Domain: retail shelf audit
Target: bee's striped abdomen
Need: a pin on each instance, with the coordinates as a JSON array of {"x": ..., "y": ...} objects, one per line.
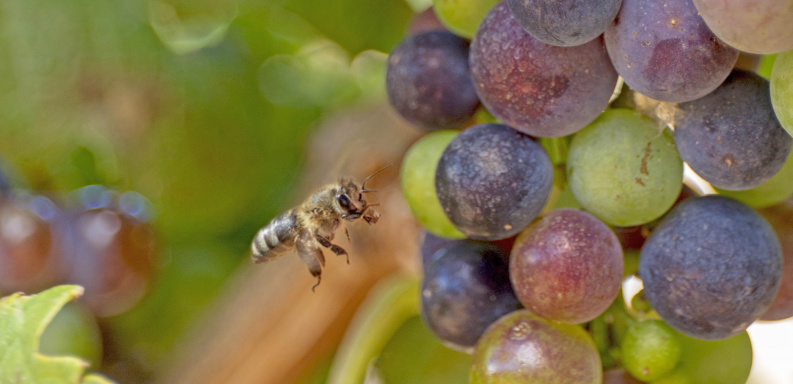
[{"x": 275, "y": 239}]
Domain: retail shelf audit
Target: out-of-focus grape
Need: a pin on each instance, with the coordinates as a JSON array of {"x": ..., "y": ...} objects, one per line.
[
  {"x": 782, "y": 89},
  {"x": 73, "y": 331},
  {"x": 774, "y": 191},
  {"x": 619, "y": 376},
  {"x": 565, "y": 23},
  {"x": 425, "y": 21},
  {"x": 624, "y": 169},
  {"x": 417, "y": 177},
  {"x": 429, "y": 245},
  {"x": 523, "y": 348},
  {"x": 752, "y": 26},
  {"x": 725, "y": 145},
  {"x": 650, "y": 350},
  {"x": 537, "y": 88},
  {"x": 113, "y": 248},
  {"x": 781, "y": 219},
  {"x": 567, "y": 266},
  {"x": 429, "y": 82},
  {"x": 465, "y": 289},
  {"x": 711, "y": 267},
  {"x": 462, "y": 16},
  {"x": 724, "y": 361},
  {"x": 492, "y": 181},
  {"x": 664, "y": 50},
  {"x": 32, "y": 254}
]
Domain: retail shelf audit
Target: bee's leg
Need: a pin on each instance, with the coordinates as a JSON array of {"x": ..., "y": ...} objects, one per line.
[
  {"x": 333, "y": 247},
  {"x": 311, "y": 255},
  {"x": 348, "y": 235},
  {"x": 371, "y": 216}
]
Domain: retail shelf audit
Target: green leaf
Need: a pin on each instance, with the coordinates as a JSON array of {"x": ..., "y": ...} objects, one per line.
[
  {"x": 22, "y": 320},
  {"x": 414, "y": 355}
]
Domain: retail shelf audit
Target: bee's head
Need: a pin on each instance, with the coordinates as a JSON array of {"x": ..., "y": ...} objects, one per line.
[
  {"x": 349, "y": 198},
  {"x": 351, "y": 203}
]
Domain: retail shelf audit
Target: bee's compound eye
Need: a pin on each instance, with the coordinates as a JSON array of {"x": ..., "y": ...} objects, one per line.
[{"x": 344, "y": 201}]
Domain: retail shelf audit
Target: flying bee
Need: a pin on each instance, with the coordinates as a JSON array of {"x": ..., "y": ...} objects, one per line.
[{"x": 312, "y": 225}]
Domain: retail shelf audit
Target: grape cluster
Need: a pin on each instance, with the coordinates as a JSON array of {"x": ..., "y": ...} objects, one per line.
[
  {"x": 579, "y": 177},
  {"x": 94, "y": 237}
]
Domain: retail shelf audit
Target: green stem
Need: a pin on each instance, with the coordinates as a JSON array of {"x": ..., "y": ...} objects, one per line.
[
  {"x": 385, "y": 309},
  {"x": 557, "y": 148}
]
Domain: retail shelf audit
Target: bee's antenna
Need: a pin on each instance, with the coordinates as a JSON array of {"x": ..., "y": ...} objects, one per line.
[{"x": 363, "y": 185}]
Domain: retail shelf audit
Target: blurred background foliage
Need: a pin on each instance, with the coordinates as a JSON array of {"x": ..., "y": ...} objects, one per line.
[{"x": 202, "y": 106}]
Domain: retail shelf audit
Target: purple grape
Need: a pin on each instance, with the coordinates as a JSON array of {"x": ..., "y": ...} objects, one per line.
[
  {"x": 567, "y": 266},
  {"x": 492, "y": 181},
  {"x": 664, "y": 50},
  {"x": 429, "y": 82},
  {"x": 523, "y": 348},
  {"x": 466, "y": 288},
  {"x": 565, "y": 23},
  {"x": 731, "y": 137},
  {"x": 538, "y": 88},
  {"x": 711, "y": 267}
]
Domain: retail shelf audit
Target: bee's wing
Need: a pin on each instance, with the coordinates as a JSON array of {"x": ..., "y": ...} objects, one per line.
[{"x": 311, "y": 254}]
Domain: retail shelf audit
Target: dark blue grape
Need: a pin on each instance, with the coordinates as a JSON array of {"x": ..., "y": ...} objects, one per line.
[
  {"x": 430, "y": 244},
  {"x": 565, "y": 23},
  {"x": 711, "y": 267},
  {"x": 731, "y": 137},
  {"x": 429, "y": 82},
  {"x": 466, "y": 288},
  {"x": 492, "y": 181}
]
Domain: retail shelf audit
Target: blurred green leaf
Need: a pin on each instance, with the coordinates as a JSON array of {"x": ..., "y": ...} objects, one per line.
[
  {"x": 23, "y": 319},
  {"x": 415, "y": 356}
]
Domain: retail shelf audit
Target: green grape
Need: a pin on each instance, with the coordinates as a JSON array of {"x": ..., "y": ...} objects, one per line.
[
  {"x": 725, "y": 361},
  {"x": 650, "y": 350},
  {"x": 782, "y": 90},
  {"x": 418, "y": 183},
  {"x": 774, "y": 191},
  {"x": 462, "y": 16},
  {"x": 624, "y": 169},
  {"x": 523, "y": 348}
]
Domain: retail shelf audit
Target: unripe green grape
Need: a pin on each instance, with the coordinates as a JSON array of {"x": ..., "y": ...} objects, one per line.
[
  {"x": 417, "y": 178},
  {"x": 624, "y": 169},
  {"x": 462, "y": 16},
  {"x": 725, "y": 361},
  {"x": 782, "y": 90},
  {"x": 650, "y": 350}
]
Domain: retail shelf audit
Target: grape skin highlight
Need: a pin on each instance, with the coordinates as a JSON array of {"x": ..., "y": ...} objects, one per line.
[{"x": 537, "y": 88}]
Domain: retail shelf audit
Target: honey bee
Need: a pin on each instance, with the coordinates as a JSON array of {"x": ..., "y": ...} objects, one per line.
[{"x": 312, "y": 225}]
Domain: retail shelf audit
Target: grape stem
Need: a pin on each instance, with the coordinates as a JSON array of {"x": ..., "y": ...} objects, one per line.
[{"x": 390, "y": 303}]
